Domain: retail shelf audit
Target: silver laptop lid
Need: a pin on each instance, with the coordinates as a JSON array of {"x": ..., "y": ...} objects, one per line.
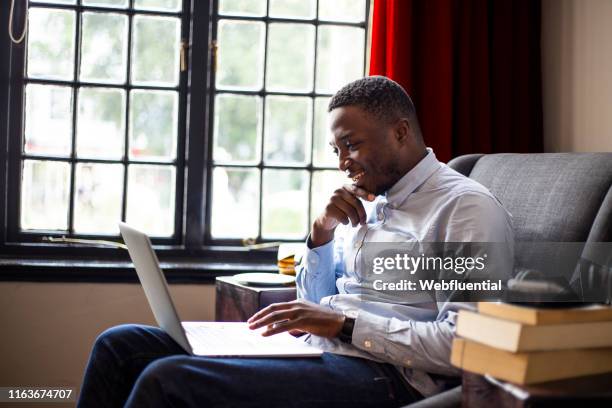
[{"x": 154, "y": 284}]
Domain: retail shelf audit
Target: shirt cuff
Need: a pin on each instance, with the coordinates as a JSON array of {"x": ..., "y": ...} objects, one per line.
[
  {"x": 369, "y": 332},
  {"x": 321, "y": 255}
]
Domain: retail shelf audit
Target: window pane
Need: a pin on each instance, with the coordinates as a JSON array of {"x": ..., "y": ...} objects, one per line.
[
  {"x": 242, "y": 7},
  {"x": 287, "y": 129},
  {"x": 342, "y": 10},
  {"x": 323, "y": 154},
  {"x": 54, "y": 1},
  {"x": 51, "y": 43},
  {"x": 45, "y": 195},
  {"x": 290, "y": 57},
  {"x": 240, "y": 55},
  {"x": 153, "y": 124},
  {"x": 235, "y": 208},
  {"x": 106, "y": 3},
  {"x": 155, "y": 51},
  {"x": 104, "y": 48},
  {"x": 293, "y": 8},
  {"x": 162, "y": 5},
  {"x": 100, "y": 123},
  {"x": 48, "y": 120},
  {"x": 324, "y": 183},
  {"x": 98, "y": 191},
  {"x": 150, "y": 198},
  {"x": 340, "y": 52},
  {"x": 285, "y": 203},
  {"x": 237, "y": 128}
]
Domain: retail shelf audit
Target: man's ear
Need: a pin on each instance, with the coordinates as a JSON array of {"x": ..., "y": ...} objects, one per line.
[{"x": 403, "y": 131}]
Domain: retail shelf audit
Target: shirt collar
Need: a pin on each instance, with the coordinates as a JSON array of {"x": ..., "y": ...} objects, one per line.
[{"x": 413, "y": 179}]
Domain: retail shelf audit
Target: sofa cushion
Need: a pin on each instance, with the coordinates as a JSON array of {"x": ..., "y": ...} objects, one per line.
[{"x": 552, "y": 196}]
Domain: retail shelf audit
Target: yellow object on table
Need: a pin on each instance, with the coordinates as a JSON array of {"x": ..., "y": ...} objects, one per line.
[{"x": 289, "y": 255}]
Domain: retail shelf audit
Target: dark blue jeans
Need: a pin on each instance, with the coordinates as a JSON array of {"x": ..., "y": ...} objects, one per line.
[{"x": 141, "y": 366}]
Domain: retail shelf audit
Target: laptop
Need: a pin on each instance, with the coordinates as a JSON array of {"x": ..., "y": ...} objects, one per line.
[{"x": 218, "y": 339}]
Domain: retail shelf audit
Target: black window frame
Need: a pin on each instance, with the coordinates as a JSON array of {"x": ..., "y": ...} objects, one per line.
[
  {"x": 190, "y": 255},
  {"x": 263, "y": 93},
  {"x": 15, "y": 130}
]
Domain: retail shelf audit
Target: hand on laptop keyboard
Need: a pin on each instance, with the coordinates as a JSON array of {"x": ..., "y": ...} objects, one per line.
[{"x": 297, "y": 315}]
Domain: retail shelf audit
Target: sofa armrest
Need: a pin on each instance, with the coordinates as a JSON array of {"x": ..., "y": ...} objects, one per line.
[{"x": 446, "y": 399}]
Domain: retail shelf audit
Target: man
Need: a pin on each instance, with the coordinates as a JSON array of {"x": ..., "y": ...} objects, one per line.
[{"x": 380, "y": 352}]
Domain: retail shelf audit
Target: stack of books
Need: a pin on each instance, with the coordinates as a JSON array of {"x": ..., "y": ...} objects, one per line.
[{"x": 526, "y": 345}]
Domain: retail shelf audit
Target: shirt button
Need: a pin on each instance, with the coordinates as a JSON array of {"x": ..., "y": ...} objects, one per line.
[
  {"x": 380, "y": 216},
  {"x": 367, "y": 344}
]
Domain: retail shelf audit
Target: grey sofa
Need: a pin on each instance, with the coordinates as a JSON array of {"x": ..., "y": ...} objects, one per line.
[{"x": 555, "y": 197}]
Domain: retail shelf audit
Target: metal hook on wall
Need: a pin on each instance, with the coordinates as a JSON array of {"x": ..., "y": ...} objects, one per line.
[{"x": 25, "y": 23}]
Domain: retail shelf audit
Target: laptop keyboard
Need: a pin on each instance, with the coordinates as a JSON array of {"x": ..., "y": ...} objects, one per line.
[
  {"x": 223, "y": 336},
  {"x": 236, "y": 339}
]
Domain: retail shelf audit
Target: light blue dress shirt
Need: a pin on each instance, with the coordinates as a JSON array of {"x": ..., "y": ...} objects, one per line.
[{"x": 430, "y": 203}]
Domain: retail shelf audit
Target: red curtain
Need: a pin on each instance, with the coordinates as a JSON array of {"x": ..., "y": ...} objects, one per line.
[{"x": 472, "y": 68}]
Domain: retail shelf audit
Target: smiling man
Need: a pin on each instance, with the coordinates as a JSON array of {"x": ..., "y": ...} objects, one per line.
[
  {"x": 399, "y": 192},
  {"x": 380, "y": 351}
]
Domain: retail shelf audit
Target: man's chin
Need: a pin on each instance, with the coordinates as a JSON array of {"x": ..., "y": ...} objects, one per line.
[
  {"x": 366, "y": 183},
  {"x": 369, "y": 187},
  {"x": 363, "y": 184}
]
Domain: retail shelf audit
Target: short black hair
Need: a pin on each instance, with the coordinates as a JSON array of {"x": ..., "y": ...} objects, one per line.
[{"x": 380, "y": 96}]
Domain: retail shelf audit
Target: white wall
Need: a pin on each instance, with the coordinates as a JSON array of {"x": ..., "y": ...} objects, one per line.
[
  {"x": 47, "y": 329},
  {"x": 577, "y": 75}
]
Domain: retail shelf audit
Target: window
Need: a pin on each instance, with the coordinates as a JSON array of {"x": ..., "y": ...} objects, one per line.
[
  {"x": 278, "y": 63},
  {"x": 202, "y": 123},
  {"x": 101, "y": 117}
]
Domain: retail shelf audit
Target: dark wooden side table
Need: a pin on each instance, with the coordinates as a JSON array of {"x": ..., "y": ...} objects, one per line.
[
  {"x": 236, "y": 302},
  {"x": 591, "y": 391}
]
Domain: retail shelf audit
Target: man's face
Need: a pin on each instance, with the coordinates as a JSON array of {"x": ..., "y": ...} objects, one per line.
[{"x": 367, "y": 150}]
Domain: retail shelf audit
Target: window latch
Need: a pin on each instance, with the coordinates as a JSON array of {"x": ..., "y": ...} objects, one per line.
[
  {"x": 213, "y": 49},
  {"x": 184, "y": 50}
]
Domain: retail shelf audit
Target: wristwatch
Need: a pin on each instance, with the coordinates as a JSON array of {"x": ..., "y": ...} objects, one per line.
[{"x": 346, "y": 333}]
